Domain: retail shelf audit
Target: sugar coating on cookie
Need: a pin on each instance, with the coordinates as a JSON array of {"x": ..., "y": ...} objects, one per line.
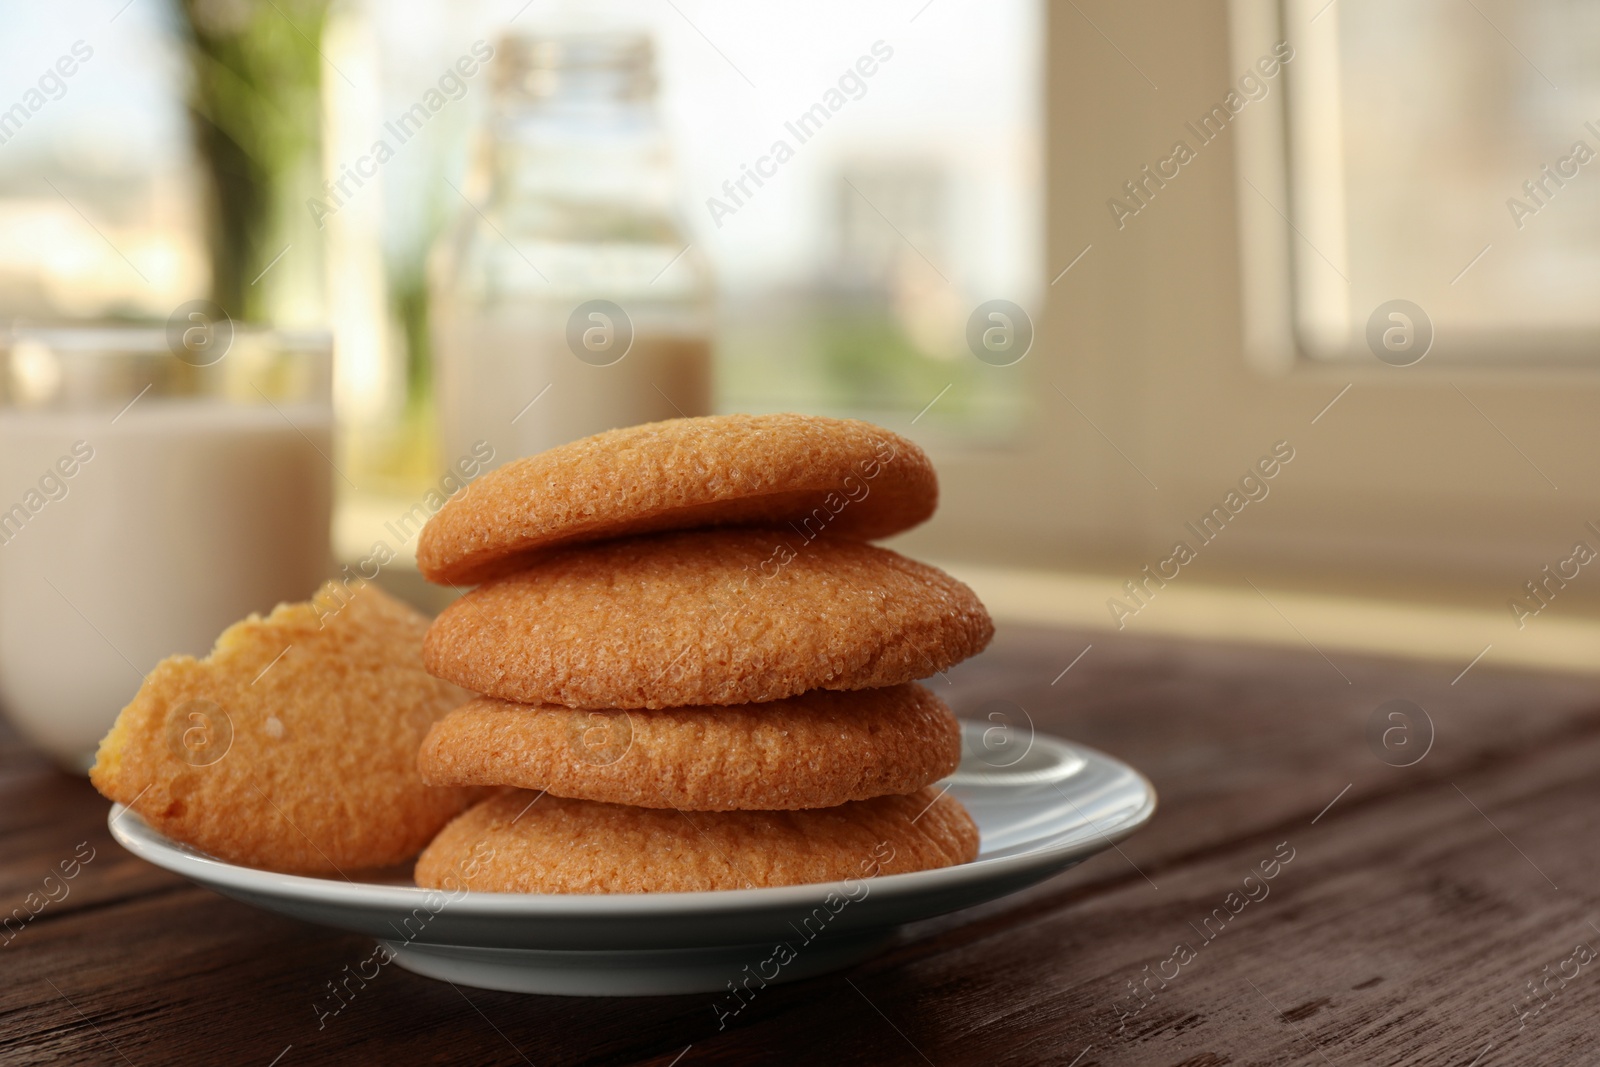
[
  {"x": 834, "y": 477},
  {"x": 816, "y": 750},
  {"x": 721, "y": 617},
  {"x": 522, "y": 842},
  {"x": 292, "y": 746}
]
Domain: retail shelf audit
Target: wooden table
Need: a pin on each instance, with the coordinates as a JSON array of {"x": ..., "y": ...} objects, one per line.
[{"x": 1438, "y": 913}]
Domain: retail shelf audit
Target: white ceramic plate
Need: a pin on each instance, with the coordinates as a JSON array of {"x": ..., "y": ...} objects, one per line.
[{"x": 1039, "y": 813}]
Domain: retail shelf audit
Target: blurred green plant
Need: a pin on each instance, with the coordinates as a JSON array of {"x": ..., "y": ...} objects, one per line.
[
  {"x": 255, "y": 97},
  {"x": 847, "y": 354},
  {"x": 870, "y": 360}
]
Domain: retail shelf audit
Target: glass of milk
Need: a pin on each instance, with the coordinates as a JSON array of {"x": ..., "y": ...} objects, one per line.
[{"x": 155, "y": 486}]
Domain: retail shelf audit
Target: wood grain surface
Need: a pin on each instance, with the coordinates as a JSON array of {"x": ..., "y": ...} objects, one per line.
[{"x": 1436, "y": 913}]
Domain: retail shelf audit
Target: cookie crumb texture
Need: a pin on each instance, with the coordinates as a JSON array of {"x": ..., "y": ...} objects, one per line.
[
  {"x": 522, "y": 842},
  {"x": 706, "y": 617},
  {"x": 834, "y": 477},
  {"x": 292, "y": 746},
  {"x": 818, "y": 750}
]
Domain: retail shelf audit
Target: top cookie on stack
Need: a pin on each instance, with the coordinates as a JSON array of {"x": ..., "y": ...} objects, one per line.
[
  {"x": 691, "y": 565},
  {"x": 838, "y": 477}
]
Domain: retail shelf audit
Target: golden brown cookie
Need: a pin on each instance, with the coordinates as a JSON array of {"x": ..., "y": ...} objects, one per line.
[
  {"x": 705, "y": 617},
  {"x": 816, "y": 750},
  {"x": 521, "y": 842},
  {"x": 292, "y": 746},
  {"x": 835, "y": 477}
]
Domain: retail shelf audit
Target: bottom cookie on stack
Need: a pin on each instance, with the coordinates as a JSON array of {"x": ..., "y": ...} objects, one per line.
[
  {"x": 816, "y": 788},
  {"x": 522, "y": 842}
]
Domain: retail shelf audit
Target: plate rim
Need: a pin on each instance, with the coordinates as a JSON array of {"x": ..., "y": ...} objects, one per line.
[{"x": 149, "y": 844}]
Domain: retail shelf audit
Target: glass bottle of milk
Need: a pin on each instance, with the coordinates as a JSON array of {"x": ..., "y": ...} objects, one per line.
[{"x": 566, "y": 299}]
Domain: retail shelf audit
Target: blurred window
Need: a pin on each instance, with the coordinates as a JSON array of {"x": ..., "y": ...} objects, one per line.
[
  {"x": 1445, "y": 152},
  {"x": 100, "y": 205},
  {"x": 848, "y": 278}
]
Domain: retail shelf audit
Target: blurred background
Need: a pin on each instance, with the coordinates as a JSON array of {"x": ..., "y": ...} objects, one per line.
[
  {"x": 198, "y": 139},
  {"x": 1109, "y": 263}
]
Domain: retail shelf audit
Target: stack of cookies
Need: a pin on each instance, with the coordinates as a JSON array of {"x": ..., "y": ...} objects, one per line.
[{"x": 695, "y": 672}]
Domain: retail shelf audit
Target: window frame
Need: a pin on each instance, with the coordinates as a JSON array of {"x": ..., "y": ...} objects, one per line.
[
  {"x": 1274, "y": 244},
  {"x": 1165, "y": 364}
]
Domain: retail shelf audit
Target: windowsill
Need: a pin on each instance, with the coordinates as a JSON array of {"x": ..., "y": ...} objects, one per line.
[{"x": 1449, "y": 635}]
